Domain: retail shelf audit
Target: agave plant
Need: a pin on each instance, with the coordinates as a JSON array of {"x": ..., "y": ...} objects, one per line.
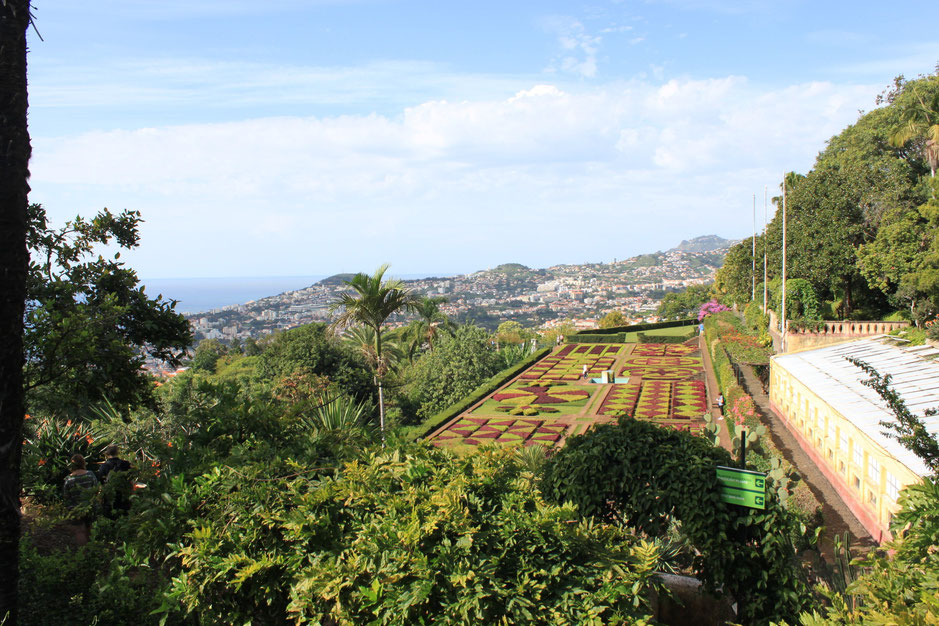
[
  {"x": 339, "y": 419},
  {"x": 533, "y": 458}
]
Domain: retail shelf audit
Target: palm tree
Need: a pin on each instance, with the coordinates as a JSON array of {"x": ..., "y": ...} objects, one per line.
[
  {"x": 370, "y": 303},
  {"x": 362, "y": 340},
  {"x": 14, "y": 262},
  {"x": 426, "y": 327},
  {"x": 920, "y": 118}
]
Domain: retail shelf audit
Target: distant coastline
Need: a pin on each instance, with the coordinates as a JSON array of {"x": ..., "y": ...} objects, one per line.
[{"x": 197, "y": 295}]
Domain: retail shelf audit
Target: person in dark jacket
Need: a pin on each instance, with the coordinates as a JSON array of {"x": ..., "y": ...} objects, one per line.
[
  {"x": 113, "y": 474},
  {"x": 112, "y": 463}
]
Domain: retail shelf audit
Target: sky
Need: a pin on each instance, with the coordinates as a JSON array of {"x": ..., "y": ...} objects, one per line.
[{"x": 302, "y": 137}]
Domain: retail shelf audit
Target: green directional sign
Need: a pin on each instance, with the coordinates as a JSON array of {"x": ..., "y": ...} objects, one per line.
[{"x": 742, "y": 487}]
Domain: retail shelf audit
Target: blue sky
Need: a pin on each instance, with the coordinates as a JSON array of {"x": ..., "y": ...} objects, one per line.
[{"x": 298, "y": 137}]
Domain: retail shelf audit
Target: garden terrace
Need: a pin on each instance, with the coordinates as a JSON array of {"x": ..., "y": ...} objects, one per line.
[
  {"x": 551, "y": 401},
  {"x": 568, "y": 363}
]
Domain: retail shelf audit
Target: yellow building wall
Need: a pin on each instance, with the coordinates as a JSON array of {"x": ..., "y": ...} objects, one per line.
[{"x": 866, "y": 476}]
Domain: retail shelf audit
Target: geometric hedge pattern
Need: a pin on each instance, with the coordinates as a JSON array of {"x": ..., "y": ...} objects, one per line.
[
  {"x": 663, "y": 349},
  {"x": 568, "y": 363},
  {"x": 536, "y": 394},
  {"x": 661, "y": 367},
  {"x": 657, "y": 400},
  {"x": 475, "y": 431},
  {"x": 666, "y": 388}
]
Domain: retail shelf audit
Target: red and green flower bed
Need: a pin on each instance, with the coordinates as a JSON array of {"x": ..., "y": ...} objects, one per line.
[
  {"x": 657, "y": 400},
  {"x": 567, "y": 364},
  {"x": 546, "y": 397},
  {"x": 662, "y": 367},
  {"x": 664, "y": 349},
  {"x": 476, "y": 431}
]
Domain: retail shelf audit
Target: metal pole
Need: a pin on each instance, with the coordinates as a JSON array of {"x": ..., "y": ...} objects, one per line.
[
  {"x": 743, "y": 448},
  {"x": 753, "y": 256},
  {"x": 783, "y": 321},
  {"x": 764, "y": 249}
]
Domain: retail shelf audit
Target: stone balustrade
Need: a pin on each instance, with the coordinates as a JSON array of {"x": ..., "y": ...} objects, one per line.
[
  {"x": 828, "y": 332},
  {"x": 851, "y": 328}
]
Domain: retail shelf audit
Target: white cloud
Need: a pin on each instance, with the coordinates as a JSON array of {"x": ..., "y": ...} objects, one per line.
[
  {"x": 432, "y": 186},
  {"x": 198, "y": 84},
  {"x": 578, "y": 47}
]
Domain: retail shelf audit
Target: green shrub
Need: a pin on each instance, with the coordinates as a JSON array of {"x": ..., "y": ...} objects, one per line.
[
  {"x": 595, "y": 337},
  {"x": 755, "y": 318},
  {"x": 407, "y": 536},
  {"x": 94, "y": 584},
  {"x": 486, "y": 388},
  {"x": 653, "y": 476}
]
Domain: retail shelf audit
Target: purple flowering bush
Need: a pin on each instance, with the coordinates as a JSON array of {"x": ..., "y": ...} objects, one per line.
[{"x": 709, "y": 308}]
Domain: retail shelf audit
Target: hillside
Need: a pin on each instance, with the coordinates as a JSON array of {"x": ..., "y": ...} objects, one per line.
[{"x": 510, "y": 291}]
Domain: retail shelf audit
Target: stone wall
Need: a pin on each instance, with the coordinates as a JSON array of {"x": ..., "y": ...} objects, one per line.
[{"x": 831, "y": 333}]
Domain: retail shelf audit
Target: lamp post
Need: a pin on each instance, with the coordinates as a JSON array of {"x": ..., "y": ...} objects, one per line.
[
  {"x": 764, "y": 249},
  {"x": 783, "y": 321},
  {"x": 753, "y": 256}
]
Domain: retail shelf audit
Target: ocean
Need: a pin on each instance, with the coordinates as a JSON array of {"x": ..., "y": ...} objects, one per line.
[{"x": 196, "y": 295}]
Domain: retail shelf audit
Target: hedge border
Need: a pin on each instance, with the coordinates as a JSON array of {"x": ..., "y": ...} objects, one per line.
[
  {"x": 576, "y": 337},
  {"x": 644, "y": 338},
  {"x": 597, "y": 338},
  {"x": 433, "y": 423}
]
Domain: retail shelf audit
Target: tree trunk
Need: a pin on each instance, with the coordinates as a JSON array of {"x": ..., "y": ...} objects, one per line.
[
  {"x": 14, "y": 190},
  {"x": 848, "y": 304},
  {"x": 381, "y": 412}
]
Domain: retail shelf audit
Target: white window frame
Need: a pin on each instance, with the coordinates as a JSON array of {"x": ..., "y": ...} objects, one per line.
[{"x": 893, "y": 487}]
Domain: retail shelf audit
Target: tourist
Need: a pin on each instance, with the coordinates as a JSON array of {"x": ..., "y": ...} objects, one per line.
[
  {"x": 77, "y": 491},
  {"x": 113, "y": 473},
  {"x": 112, "y": 463},
  {"x": 720, "y": 403},
  {"x": 585, "y": 371}
]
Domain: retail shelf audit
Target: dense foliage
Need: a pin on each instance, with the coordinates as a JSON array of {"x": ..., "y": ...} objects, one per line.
[
  {"x": 457, "y": 365},
  {"x": 653, "y": 477},
  {"x": 676, "y": 305},
  {"x": 404, "y": 537},
  {"x": 862, "y": 224},
  {"x": 89, "y": 324}
]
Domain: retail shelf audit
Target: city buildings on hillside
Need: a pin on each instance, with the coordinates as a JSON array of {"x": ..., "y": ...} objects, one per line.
[
  {"x": 836, "y": 419},
  {"x": 510, "y": 292}
]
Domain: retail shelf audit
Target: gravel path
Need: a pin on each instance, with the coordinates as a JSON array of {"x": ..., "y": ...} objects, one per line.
[{"x": 838, "y": 518}]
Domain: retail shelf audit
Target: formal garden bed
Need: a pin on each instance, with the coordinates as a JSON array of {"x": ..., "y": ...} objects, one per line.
[
  {"x": 545, "y": 397},
  {"x": 475, "y": 431},
  {"x": 548, "y": 401},
  {"x": 568, "y": 363},
  {"x": 657, "y": 400},
  {"x": 662, "y": 367}
]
